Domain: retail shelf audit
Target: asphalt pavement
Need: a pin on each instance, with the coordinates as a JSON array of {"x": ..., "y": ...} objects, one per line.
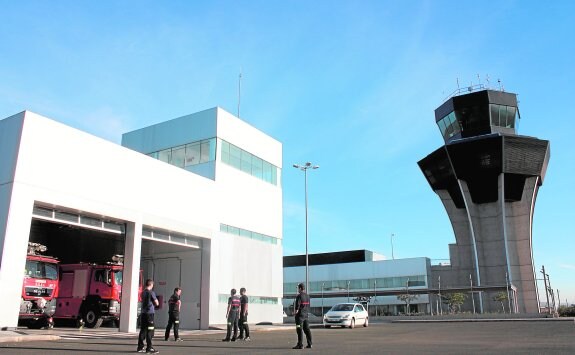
[{"x": 529, "y": 336}]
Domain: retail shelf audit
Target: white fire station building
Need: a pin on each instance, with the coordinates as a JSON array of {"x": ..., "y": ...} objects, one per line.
[{"x": 194, "y": 202}]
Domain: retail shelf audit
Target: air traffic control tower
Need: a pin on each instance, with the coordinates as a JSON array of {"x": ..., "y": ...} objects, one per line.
[{"x": 487, "y": 177}]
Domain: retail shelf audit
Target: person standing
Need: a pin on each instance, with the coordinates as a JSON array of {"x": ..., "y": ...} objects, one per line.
[
  {"x": 149, "y": 302},
  {"x": 232, "y": 315},
  {"x": 244, "y": 315},
  {"x": 174, "y": 305},
  {"x": 301, "y": 317}
]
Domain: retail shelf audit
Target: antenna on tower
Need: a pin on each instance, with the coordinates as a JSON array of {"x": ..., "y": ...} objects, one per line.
[
  {"x": 499, "y": 81},
  {"x": 487, "y": 79},
  {"x": 479, "y": 79},
  {"x": 457, "y": 83},
  {"x": 239, "y": 91}
]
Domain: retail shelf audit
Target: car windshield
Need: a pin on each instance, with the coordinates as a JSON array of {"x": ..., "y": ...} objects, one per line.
[{"x": 342, "y": 307}]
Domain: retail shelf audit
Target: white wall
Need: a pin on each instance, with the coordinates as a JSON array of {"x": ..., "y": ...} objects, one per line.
[
  {"x": 61, "y": 166},
  {"x": 64, "y": 167}
]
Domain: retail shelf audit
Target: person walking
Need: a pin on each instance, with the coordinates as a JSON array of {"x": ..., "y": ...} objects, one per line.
[
  {"x": 232, "y": 315},
  {"x": 174, "y": 305},
  {"x": 301, "y": 317},
  {"x": 149, "y": 302},
  {"x": 244, "y": 315}
]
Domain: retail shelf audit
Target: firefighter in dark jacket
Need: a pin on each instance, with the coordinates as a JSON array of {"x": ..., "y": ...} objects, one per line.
[
  {"x": 149, "y": 302},
  {"x": 174, "y": 305},
  {"x": 244, "y": 315},
  {"x": 232, "y": 315},
  {"x": 301, "y": 317}
]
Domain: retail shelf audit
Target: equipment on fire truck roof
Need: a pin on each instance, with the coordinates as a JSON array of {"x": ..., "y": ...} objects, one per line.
[{"x": 36, "y": 248}]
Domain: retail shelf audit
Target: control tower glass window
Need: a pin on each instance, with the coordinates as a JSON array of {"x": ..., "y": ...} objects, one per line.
[
  {"x": 472, "y": 117},
  {"x": 502, "y": 116},
  {"x": 449, "y": 126}
]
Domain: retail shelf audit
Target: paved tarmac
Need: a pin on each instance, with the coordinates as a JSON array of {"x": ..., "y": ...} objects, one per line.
[{"x": 477, "y": 337}]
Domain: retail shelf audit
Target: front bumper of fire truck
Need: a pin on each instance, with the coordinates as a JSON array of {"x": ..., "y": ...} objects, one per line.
[{"x": 37, "y": 308}]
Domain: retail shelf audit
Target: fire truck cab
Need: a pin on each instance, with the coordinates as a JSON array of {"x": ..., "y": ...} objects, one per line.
[
  {"x": 90, "y": 293},
  {"x": 39, "y": 288}
]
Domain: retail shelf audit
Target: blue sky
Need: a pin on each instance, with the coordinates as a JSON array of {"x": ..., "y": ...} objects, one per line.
[{"x": 348, "y": 85}]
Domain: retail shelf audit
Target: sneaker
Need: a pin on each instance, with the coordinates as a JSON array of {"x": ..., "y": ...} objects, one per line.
[
  {"x": 308, "y": 346},
  {"x": 247, "y": 339},
  {"x": 141, "y": 351},
  {"x": 241, "y": 337},
  {"x": 226, "y": 339},
  {"x": 298, "y": 347},
  {"x": 234, "y": 339},
  {"x": 179, "y": 339},
  {"x": 152, "y": 351}
]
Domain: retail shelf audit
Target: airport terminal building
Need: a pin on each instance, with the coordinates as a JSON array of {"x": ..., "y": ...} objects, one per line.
[
  {"x": 345, "y": 276},
  {"x": 191, "y": 202}
]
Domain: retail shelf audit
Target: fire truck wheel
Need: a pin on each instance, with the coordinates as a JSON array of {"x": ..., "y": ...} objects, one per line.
[
  {"x": 93, "y": 318},
  {"x": 34, "y": 324}
]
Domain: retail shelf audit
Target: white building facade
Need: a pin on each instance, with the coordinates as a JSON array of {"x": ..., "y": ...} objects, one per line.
[
  {"x": 194, "y": 202},
  {"x": 345, "y": 276}
]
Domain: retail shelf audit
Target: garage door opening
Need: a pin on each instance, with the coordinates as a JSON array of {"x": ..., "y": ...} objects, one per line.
[
  {"x": 174, "y": 260},
  {"x": 87, "y": 287}
]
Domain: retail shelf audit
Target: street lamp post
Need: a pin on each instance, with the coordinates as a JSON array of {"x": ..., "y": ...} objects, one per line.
[
  {"x": 304, "y": 168},
  {"x": 392, "y": 257},
  {"x": 348, "y": 291},
  {"x": 322, "y": 287}
]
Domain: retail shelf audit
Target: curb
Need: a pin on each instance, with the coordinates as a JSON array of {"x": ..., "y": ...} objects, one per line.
[
  {"x": 22, "y": 338},
  {"x": 562, "y": 319}
]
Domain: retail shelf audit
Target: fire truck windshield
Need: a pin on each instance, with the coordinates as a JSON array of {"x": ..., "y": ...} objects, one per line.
[
  {"x": 118, "y": 277},
  {"x": 41, "y": 270}
]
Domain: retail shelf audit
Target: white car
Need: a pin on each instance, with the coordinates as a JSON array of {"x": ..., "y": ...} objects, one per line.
[{"x": 346, "y": 315}]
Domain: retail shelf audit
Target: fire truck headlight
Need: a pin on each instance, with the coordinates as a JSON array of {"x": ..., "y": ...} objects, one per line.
[{"x": 114, "y": 307}]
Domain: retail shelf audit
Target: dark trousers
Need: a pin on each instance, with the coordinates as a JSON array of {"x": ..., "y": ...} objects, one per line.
[
  {"x": 244, "y": 326},
  {"x": 302, "y": 326},
  {"x": 146, "y": 331},
  {"x": 175, "y": 321},
  {"x": 232, "y": 322}
]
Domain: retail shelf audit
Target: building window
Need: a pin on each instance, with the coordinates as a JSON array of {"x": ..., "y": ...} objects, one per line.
[
  {"x": 360, "y": 284},
  {"x": 223, "y": 298},
  {"x": 189, "y": 154},
  {"x": 249, "y": 163},
  {"x": 248, "y": 234}
]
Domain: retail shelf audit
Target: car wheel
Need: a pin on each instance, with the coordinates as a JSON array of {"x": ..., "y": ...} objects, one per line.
[
  {"x": 352, "y": 324},
  {"x": 366, "y": 322}
]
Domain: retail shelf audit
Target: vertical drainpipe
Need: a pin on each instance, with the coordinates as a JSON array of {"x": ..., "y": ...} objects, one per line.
[
  {"x": 531, "y": 212},
  {"x": 504, "y": 225},
  {"x": 471, "y": 229}
]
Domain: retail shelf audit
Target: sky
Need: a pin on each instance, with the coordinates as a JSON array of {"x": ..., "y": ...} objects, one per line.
[{"x": 350, "y": 86}]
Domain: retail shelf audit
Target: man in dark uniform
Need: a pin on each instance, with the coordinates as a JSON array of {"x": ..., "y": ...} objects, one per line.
[
  {"x": 244, "y": 315},
  {"x": 232, "y": 315},
  {"x": 174, "y": 315},
  {"x": 301, "y": 317},
  {"x": 149, "y": 302}
]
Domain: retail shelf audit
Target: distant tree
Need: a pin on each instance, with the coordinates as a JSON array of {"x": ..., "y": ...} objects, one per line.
[
  {"x": 454, "y": 301},
  {"x": 407, "y": 298},
  {"x": 501, "y": 297},
  {"x": 567, "y": 311}
]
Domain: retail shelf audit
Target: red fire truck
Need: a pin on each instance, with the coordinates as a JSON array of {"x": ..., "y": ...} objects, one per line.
[
  {"x": 91, "y": 293},
  {"x": 39, "y": 289}
]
